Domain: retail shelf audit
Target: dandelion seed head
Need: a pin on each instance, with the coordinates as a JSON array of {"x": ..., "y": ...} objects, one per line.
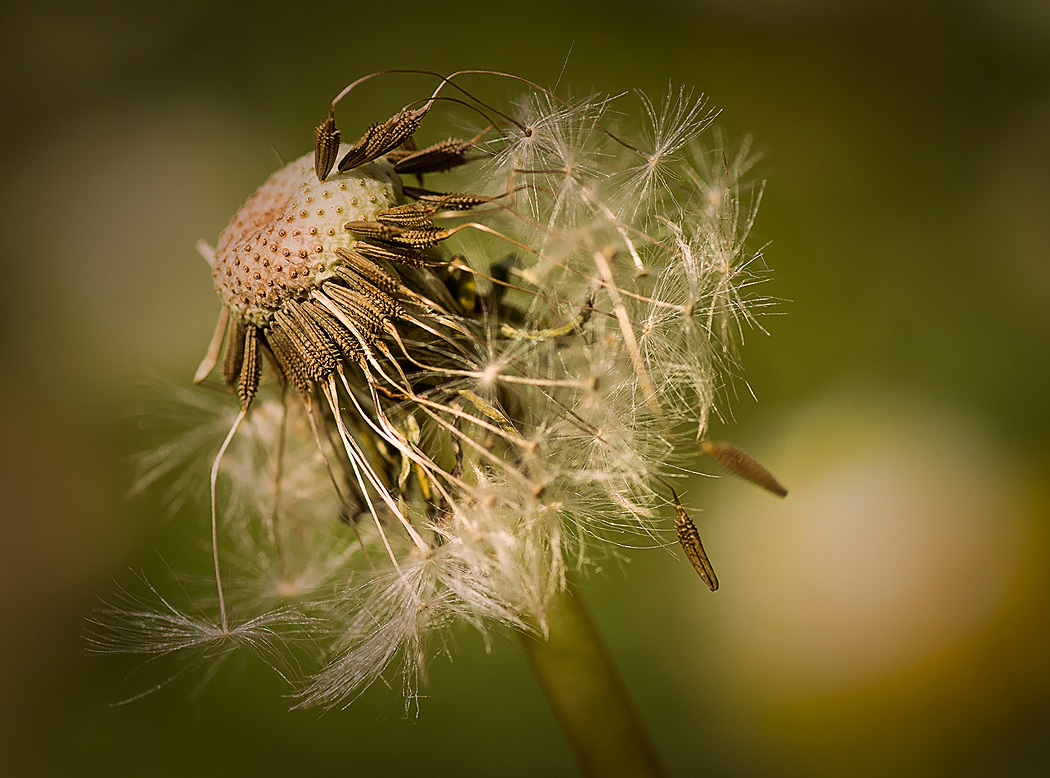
[{"x": 460, "y": 372}]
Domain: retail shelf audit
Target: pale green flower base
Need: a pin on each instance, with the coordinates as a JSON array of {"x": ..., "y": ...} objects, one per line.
[{"x": 588, "y": 696}]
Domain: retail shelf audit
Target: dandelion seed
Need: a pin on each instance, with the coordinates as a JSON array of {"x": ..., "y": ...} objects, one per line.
[
  {"x": 489, "y": 371},
  {"x": 153, "y": 626},
  {"x": 740, "y": 463}
]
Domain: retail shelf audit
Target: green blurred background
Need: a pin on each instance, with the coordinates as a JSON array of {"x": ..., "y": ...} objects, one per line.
[{"x": 890, "y": 617}]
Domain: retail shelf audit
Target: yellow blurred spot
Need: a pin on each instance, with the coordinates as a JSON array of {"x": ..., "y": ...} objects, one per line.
[{"x": 901, "y": 538}]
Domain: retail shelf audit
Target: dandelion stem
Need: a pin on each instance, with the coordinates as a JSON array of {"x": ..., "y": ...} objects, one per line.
[{"x": 588, "y": 695}]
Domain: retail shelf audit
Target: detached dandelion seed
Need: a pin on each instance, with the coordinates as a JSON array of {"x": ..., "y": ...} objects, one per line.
[{"x": 461, "y": 370}]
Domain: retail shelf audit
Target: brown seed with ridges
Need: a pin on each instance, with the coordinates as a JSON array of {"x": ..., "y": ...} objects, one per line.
[
  {"x": 422, "y": 237},
  {"x": 454, "y": 201},
  {"x": 434, "y": 159},
  {"x": 373, "y": 230},
  {"x": 251, "y": 368},
  {"x": 383, "y": 303},
  {"x": 356, "y": 307},
  {"x": 398, "y": 254},
  {"x": 326, "y": 146},
  {"x": 742, "y": 464},
  {"x": 689, "y": 538},
  {"x": 234, "y": 358},
  {"x": 408, "y": 215},
  {"x": 368, "y": 270},
  {"x": 383, "y": 137},
  {"x": 291, "y": 365},
  {"x": 332, "y": 328}
]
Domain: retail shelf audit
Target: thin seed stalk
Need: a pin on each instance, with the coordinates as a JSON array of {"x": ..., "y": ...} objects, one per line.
[{"x": 588, "y": 695}]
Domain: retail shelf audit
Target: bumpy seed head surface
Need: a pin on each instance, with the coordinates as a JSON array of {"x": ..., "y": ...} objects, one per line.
[{"x": 282, "y": 242}]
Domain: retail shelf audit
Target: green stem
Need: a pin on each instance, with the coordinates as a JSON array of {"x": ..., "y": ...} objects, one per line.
[{"x": 588, "y": 695}]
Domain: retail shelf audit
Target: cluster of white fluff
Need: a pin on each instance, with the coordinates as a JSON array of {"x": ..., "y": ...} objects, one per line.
[{"x": 612, "y": 280}]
